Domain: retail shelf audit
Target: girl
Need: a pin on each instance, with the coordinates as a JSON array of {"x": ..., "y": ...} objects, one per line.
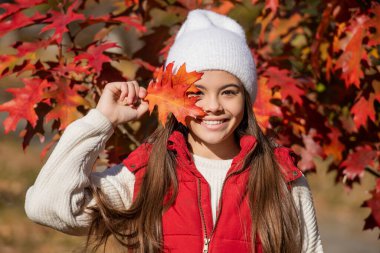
[{"x": 214, "y": 185}]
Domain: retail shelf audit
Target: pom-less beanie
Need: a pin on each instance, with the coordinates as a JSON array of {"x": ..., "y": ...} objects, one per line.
[{"x": 211, "y": 41}]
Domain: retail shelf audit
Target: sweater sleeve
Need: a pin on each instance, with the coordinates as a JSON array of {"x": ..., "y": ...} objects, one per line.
[
  {"x": 304, "y": 202},
  {"x": 60, "y": 194}
]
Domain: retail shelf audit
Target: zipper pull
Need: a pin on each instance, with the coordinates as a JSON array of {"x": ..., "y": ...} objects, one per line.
[{"x": 205, "y": 245}]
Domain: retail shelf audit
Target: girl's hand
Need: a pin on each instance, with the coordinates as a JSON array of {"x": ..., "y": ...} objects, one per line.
[{"x": 121, "y": 102}]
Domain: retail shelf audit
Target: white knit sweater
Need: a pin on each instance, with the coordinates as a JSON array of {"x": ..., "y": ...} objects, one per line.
[{"x": 60, "y": 194}]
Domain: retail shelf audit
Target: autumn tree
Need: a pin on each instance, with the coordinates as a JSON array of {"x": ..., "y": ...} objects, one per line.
[{"x": 317, "y": 63}]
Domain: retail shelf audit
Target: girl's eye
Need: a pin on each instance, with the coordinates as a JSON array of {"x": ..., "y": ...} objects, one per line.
[
  {"x": 194, "y": 94},
  {"x": 229, "y": 92}
]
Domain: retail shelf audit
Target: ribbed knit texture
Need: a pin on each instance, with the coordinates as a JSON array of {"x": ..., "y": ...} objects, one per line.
[{"x": 214, "y": 171}]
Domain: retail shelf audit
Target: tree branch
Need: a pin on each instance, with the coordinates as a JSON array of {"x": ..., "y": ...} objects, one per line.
[{"x": 373, "y": 172}]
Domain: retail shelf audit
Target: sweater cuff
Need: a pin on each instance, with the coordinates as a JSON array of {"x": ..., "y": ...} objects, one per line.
[{"x": 96, "y": 119}]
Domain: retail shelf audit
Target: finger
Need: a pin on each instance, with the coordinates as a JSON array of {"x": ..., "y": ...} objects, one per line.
[
  {"x": 131, "y": 92},
  {"x": 142, "y": 92},
  {"x": 137, "y": 88},
  {"x": 142, "y": 108},
  {"x": 124, "y": 91}
]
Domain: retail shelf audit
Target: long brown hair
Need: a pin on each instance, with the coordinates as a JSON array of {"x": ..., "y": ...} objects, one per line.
[{"x": 139, "y": 228}]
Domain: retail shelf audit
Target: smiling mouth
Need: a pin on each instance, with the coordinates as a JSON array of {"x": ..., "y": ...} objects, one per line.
[{"x": 210, "y": 122}]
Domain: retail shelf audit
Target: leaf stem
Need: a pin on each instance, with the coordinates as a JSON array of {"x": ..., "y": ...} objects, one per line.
[{"x": 372, "y": 172}]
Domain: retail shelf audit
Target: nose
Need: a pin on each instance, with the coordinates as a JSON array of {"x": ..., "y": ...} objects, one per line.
[{"x": 212, "y": 105}]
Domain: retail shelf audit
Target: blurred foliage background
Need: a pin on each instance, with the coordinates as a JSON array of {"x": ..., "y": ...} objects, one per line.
[{"x": 319, "y": 93}]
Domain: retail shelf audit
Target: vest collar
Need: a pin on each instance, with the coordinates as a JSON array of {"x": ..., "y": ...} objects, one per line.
[{"x": 178, "y": 143}]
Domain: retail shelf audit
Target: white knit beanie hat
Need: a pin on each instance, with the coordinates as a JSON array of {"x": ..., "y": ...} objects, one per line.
[{"x": 211, "y": 41}]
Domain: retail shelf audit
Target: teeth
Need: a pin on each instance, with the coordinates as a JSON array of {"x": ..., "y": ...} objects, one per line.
[{"x": 213, "y": 122}]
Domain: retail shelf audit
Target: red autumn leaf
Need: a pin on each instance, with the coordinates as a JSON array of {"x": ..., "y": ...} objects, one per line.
[
  {"x": 373, "y": 220},
  {"x": 335, "y": 147},
  {"x": 31, "y": 47},
  {"x": 10, "y": 8},
  {"x": 362, "y": 110},
  {"x": 18, "y": 20},
  {"x": 95, "y": 57},
  {"x": 71, "y": 69},
  {"x": 132, "y": 21},
  {"x": 168, "y": 93},
  {"x": 60, "y": 20},
  {"x": 272, "y": 5},
  {"x": 23, "y": 104},
  {"x": 263, "y": 107},
  {"x": 310, "y": 150},
  {"x": 288, "y": 85},
  {"x": 356, "y": 161},
  {"x": 353, "y": 52},
  {"x": 67, "y": 100}
]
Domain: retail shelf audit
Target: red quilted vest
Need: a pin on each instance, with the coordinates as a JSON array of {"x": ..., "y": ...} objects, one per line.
[{"x": 187, "y": 224}]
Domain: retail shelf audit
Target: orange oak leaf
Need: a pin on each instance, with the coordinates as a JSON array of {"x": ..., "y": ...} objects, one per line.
[
  {"x": 265, "y": 19},
  {"x": 223, "y": 8},
  {"x": 335, "y": 147},
  {"x": 356, "y": 161},
  {"x": 353, "y": 52},
  {"x": 288, "y": 85},
  {"x": 7, "y": 63},
  {"x": 60, "y": 20},
  {"x": 168, "y": 93},
  {"x": 95, "y": 57},
  {"x": 67, "y": 100},
  {"x": 283, "y": 26},
  {"x": 23, "y": 104},
  {"x": 262, "y": 107}
]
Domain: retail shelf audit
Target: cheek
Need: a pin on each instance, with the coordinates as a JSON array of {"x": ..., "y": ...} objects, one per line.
[{"x": 237, "y": 109}]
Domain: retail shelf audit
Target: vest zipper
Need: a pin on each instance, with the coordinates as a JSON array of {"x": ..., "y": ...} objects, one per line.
[{"x": 206, "y": 240}]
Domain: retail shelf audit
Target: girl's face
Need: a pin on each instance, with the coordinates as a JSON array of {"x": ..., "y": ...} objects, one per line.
[{"x": 221, "y": 96}]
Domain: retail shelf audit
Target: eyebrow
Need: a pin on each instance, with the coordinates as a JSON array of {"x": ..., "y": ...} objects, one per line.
[{"x": 199, "y": 86}]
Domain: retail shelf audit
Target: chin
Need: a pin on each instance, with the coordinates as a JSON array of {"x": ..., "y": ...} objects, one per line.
[{"x": 210, "y": 138}]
